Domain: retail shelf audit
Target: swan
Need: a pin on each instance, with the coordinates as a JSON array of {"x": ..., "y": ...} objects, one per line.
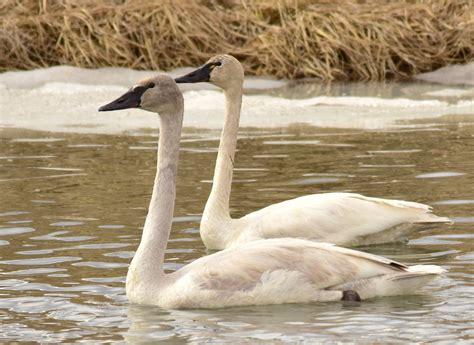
[
  {"x": 274, "y": 271},
  {"x": 345, "y": 219}
]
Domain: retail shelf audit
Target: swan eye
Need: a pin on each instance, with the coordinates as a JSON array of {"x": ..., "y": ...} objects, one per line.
[
  {"x": 151, "y": 85},
  {"x": 218, "y": 63}
]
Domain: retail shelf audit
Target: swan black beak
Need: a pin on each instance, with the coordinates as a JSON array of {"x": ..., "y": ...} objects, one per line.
[
  {"x": 200, "y": 75},
  {"x": 130, "y": 99}
]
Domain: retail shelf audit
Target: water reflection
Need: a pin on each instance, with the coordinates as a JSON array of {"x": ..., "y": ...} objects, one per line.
[
  {"x": 73, "y": 207},
  {"x": 388, "y": 90},
  {"x": 291, "y": 323}
]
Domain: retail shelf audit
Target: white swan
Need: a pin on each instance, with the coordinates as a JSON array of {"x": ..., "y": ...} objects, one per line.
[
  {"x": 273, "y": 271},
  {"x": 339, "y": 218}
]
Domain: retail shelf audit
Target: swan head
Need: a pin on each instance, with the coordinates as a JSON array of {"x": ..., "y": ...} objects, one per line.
[
  {"x": 157, "y": 94},
  {"x": 224, "y": 71}
]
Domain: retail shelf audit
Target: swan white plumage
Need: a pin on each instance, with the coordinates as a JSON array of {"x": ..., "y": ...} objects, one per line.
[
  {"x": 339, "y": 218},
  {"x": 285, "y": 270}
]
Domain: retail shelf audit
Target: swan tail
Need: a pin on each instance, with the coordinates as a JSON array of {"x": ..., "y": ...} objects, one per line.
[
  {"x": 426, "y": 270},
  {"x": 412, "y": 280},
  {"x": 430, "y": 218},
  {"x": 424, "y": 212},
  {"x": 400, "y": 283}
]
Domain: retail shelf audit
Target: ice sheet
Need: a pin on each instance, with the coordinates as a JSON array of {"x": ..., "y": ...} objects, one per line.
[
  {"x": 451, "y": 75},
  {"x": 66, "y": 99}
]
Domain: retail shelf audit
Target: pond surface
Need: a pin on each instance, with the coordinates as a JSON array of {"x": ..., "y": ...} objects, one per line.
[{"x": 73, "y": 206}]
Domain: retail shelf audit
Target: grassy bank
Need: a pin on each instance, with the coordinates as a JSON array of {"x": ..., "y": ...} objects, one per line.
[{"x": 331, "y": 40}]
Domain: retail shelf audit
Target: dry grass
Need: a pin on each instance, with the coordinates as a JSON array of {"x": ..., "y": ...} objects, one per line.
[{"x": 346, "y": 39}]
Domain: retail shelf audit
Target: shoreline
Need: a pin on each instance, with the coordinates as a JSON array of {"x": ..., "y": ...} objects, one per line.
[{"x": 345, "y": 40}]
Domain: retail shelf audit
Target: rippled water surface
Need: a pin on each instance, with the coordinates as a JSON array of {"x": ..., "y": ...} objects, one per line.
[{"x": 72, "y": 209}]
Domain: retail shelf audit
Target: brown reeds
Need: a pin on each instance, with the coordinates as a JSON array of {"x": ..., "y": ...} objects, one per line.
[{"x": 349, "y": 40}]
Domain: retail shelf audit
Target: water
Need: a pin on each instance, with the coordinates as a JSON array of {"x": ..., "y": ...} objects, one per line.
[{"x": 73, "y": 206}]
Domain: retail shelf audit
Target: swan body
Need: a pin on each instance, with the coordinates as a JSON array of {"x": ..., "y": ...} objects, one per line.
[
  {"x": 323, "y": 218},
  {"x": 340, "y": 218},
  {"x": 279, "y": 271},
  {"x": 282, "y": 270}
]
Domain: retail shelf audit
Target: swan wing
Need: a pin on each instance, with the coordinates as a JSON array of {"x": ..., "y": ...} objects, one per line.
[
  {"x": 288, "y": 270},
  {"x": 320, "y": 264},
  {"x": 332, "y": 217}
]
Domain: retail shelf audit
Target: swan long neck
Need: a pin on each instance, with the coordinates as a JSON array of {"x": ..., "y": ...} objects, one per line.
[
  {"x": 148, "y": 261},
  {"x": 217, "y": 205}
]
